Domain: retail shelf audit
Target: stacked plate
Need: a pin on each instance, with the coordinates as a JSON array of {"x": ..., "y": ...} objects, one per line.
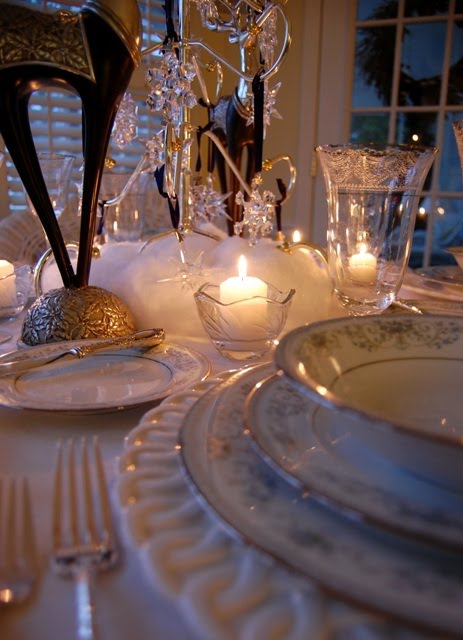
[{"x": 345, "y": 463}]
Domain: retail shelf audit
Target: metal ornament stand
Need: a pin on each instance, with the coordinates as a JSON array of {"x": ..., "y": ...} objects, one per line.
[{"x": 104, "y": 36}]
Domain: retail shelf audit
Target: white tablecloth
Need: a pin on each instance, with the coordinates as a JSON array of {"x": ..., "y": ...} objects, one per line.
[{"x": 127, "y": 607}]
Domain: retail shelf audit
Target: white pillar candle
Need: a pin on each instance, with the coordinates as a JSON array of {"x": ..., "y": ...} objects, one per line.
[
  {"x": 7, "y": 284},
  {"x": 242, "y": 287},
  {"x": 362, "y": 266},
  {"x": 247, "y": 319}
]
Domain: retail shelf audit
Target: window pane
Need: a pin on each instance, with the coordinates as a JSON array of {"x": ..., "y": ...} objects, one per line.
[
  {"x": 417, "y": 128},
  {"x": 426, "y": 7},
  {"x": 459, "y": 6},
  {"x": 376, "y": 9},
  {"x": 373, "y": 72},
  {"x": 455, "y": 91},
  {"x": 450, "y": 178},
  {"x": 421, "y": 68},
  {"x": 419, "y": 236},
  {"x": 369, "y": 127},
  {"x": 447, "y": 229}
]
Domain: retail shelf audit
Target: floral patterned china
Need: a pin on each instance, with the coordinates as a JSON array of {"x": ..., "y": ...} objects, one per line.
[
  {"x": 299, "y": 439},
  {"x": 398, "y": 381},
  {"x": 364, "y": 564},
  {"x": 103, "y": 381}
]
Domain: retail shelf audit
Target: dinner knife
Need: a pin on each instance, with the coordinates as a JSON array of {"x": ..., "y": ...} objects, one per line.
[{"x": 21, "y": 361}]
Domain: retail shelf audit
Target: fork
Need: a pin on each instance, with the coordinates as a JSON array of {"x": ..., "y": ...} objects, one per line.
[
  {"x": 82, "y": 530},
  {"x": 18, "y": 555}
]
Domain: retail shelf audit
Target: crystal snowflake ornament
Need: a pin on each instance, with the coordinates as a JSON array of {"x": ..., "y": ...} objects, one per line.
[
  {"x": 156, "y": 151},
  {"x": 259, "y": 211},
  {"x": 170, "y": 87},
  {"x": 188, "y": 272},
  {"x": 267, "y": 39},
  {"x": 208, "y": 12},
  {"x": 207, "y": 204},
  {"x": 125, "y": 123},
  {"x": 269, "y": 105}
]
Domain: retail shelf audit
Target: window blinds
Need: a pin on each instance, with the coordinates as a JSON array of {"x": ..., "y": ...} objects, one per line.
[{"x": 56, "y": 116}]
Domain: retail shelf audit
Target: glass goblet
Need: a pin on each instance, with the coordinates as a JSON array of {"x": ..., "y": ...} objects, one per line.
[{"x": 57, "y": 171}]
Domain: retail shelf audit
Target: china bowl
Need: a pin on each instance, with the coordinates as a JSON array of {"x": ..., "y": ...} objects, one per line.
[
  {"x": 457, "y": 253},
  {"x": 398, "y": 382}
]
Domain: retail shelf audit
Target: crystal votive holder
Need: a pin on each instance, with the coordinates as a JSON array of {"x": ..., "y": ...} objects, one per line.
[
  {"x": 244, "y": 329},
  {"x": 14, "y": 291}
]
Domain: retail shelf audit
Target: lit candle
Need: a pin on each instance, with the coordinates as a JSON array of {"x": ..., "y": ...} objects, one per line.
[
  {"x": 7, "y": 284},
  {"x": 247, "y": 318},
  {"x": 242, "y": 286},
  {"x": 362, "y": 265},
  {"x": 296, "y": 236}
]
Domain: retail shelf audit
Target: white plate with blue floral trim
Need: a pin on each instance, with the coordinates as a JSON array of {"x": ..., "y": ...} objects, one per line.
[
  {"x": 397, "y": 378},
  {"x": 363, "y": 564},
  {"x": 103, "y": 381},
  {"x": 298, "y": 437}
]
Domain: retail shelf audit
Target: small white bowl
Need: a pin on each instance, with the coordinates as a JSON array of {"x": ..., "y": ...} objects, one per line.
[
  {"x": 457, "y": 253},
  {"x": 397, "y": 379}
]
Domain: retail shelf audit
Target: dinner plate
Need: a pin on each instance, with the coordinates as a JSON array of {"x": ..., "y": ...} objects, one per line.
[
  {"x": 441, "y": 282},
  {"x": 299, "y": 438},
  {"x": 103, "y": 381},
  {"x": 358, "y": 562}
]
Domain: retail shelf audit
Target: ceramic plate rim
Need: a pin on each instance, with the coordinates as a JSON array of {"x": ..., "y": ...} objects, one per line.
[
  {"x": 330, "y": 399},
  {"x": 351, "y": 509},
  {"x": 329, "y": 582},
  {"x": 8, "y": 400}
]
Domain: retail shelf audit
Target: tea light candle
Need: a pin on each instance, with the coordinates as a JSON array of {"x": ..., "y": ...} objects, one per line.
[
  {"x": 7, "y": 284},
  {"x": 242, "y": 286},
  {"x": 362, "y": 265}
]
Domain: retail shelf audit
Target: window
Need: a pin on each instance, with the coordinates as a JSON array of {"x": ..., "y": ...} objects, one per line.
[
  {"x": 56, "y": 116},
  {"x": 392, "y": 71},
  {"x": 408, "y": 87}
]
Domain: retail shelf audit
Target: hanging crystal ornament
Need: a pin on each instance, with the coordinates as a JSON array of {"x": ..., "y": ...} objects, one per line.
[
  {"x": 207, "y": 204},
  {"x": 259, "y": 211},
  {"x": 269, "y": 105},
  {"x": 125, "y": 124},
  {"x": 155, "y": 151},
  {"x": 208, "y": 12},
  {"x": 170, "y": 86},
  {"x": 267, "y": 37}
]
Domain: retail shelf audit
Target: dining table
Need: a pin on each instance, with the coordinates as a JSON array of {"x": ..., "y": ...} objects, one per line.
[{"x": 164, "y": 586}]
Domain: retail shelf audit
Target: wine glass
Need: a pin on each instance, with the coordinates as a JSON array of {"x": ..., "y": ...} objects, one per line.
[{"x": 57, "y": 171}]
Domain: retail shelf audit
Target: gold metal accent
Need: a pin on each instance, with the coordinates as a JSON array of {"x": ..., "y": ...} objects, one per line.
[
  {"x": 109, "y": 163},
  {"x": 75, "y": 314},
  {"x": 267, "y": 165},
  {"x": 254, "y": 29},
  {"x": 176, "y": 145},
  {"x": 64, "y": 45}
]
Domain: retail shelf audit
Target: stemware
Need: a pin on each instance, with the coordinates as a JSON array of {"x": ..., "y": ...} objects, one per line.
[
  {"x": 56, "y": 170},
  {"x": 372, "y": 193},
  {"x": 123, "y": 197}
]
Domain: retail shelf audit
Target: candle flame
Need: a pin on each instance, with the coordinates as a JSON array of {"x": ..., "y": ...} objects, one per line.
[
  {"x": 242, "y": 267},
  {"x": 362, "y": 248},
  {"x": 297, "y": 236}
]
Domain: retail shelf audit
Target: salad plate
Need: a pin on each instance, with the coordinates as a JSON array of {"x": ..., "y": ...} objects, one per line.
[
  {"x": 363, "y": 564},
  {"x": 396, "y": 378},
  {"x": 301, "y": 440},
  {"x": 103, "y": 381}
]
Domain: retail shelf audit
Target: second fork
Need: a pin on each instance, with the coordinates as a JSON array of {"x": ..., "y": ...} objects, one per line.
[{"x": 83, "y": 535}]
